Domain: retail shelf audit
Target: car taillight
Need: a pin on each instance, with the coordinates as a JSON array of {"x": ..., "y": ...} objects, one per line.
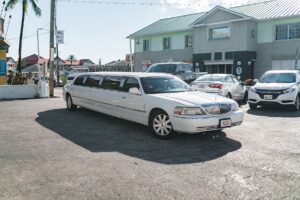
[{"x": 219, "y": 86}]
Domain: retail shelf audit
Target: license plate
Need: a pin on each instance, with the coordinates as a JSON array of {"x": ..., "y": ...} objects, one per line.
[
  {"x": 225, "y": 123},
  {"x": 202, "y": 86},
  {"x": 268, "y": 97}
]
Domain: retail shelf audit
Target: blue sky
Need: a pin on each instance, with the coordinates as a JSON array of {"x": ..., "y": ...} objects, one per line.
[{"x": 96, "y": 31}]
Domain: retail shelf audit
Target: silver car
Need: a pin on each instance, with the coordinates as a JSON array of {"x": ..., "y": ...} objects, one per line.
[{"x": 226, "y": 85}]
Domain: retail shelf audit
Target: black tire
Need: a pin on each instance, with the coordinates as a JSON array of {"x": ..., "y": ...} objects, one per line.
[
  {"x": 70, "y": 105},
  {"x": 245, "y": 99},
  {"x": 160, "y": 125},
  {"x": 252, "y": 106},
  {"x": 229, "y": 96},
  {"x": 296, "y": 106}
]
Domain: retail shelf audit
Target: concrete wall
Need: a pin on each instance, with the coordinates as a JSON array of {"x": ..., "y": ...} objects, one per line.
[
  {"x": 162, "y": 56},
  {"x": 277, "y": 50},
  {"x": 18, "y": 91},
  {"x": 241, "y": 38},
  {"x": 266, "y": 29},
  {"x": 156, "y": 42}
]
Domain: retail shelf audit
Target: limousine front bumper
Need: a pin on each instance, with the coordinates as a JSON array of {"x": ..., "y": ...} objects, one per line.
[{"x": 203, "y": 123}]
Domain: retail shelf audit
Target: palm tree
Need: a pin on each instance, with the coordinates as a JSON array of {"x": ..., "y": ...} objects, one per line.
[
  {"x": 10, "y": 5},
  {"x": 71, "y": 59}
]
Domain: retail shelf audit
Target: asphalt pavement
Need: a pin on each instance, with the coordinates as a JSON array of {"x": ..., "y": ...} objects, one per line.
[{"x": 47, "y": 152}]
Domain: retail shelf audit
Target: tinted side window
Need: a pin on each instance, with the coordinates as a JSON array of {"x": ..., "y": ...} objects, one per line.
[
  {"x": 79, "y": 80},
  {"x": 179, "y": 68},
  {"x": 167, "y": 68},
  {"x": 113, "y": 83},
  {"x": 93, "y": 81},
  {"x": 130, "y": 83},
  {"x": 187, "y": 68}
]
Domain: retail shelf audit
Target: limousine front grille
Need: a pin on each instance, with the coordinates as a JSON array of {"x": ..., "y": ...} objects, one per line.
[{"x": 217, "y": 109}]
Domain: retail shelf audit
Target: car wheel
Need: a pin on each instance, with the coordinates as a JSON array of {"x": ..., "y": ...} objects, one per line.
[
  {"x": 245, "y": 99},
  {"x": 70, "y": 105},
  {"x": 252, "y": 106},
  {"x": 229, "y": 96},
  {"x": 297, "y": 104},
  {"x": 160, "y": 125}
]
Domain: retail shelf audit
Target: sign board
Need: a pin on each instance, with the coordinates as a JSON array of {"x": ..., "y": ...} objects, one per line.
[
  {"x": 239, "y": 70},
  {"x": 60, "y": 37},
  {"x": 2, "y": 67}
]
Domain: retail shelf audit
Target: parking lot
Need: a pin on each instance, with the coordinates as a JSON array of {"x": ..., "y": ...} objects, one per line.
[{"x": 47, "y": 152}]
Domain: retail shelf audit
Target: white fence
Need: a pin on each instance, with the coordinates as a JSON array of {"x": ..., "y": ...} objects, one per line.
[{"x": 18, "y": 91}]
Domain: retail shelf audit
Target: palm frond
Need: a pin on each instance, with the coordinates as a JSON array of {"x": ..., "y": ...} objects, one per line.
[
  {"x": 25, "y": 6},
  {"x": 11, "y": 4},
  {"x": 35, "y": 8}
]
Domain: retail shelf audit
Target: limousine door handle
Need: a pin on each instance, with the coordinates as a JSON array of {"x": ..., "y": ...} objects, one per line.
[{"x": 123, "y": 97}]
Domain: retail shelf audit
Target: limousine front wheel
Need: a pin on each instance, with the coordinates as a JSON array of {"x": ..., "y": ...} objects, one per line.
[
  {"x": 70, "y": 105},
  {"x": 161, "y": 125}
]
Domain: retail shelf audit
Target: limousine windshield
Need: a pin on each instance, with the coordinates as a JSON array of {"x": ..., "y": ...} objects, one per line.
[{"x": 154, "y": 85}]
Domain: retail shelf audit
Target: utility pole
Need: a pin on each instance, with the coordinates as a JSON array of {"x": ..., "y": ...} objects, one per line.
[
  {"x": 130, "y": 47},
  {"x": 52, "y": 20}
]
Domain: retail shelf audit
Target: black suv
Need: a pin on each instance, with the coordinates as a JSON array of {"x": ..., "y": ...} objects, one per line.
[{"x": 182, "y": 70}]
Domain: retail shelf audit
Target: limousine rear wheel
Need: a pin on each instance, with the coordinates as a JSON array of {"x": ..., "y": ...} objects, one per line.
[
  {"x": 70, "y": 105},
  {"x": 161, "y": 125}
]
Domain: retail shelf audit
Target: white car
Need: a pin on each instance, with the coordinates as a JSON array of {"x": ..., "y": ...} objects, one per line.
[
  {"x": 163, "y": 102},
  {"x": 276, "y": 87},
  {"x": 226, "y": 85}
]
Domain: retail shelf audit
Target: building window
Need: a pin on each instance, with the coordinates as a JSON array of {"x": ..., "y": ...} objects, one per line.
[
  {"x": 188, "y": 41},
  {"x": 228, "y": 55},
  {"x": 146, "y": 45},
  {"x": 166, "y": 43},
  {"x": 207, "y": 56},
  {"x": 288, "y": 31},
  {"x": 218, "y": 56},
  {"x": 219, "y": 33}
]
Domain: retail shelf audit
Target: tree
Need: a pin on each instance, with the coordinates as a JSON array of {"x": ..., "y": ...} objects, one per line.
[
  {"x": 10, "y": 5},
  {"x": 71, "y": 59}
]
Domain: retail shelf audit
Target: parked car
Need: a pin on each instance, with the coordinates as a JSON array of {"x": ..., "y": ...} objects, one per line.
[
  {"x": 226, "y": 85},
  {"x": 182, "y": 70},
  {"x": 71, "y": 77},
  {"x": 163, "y": 102},
  {"x": 276, "y": 87}
]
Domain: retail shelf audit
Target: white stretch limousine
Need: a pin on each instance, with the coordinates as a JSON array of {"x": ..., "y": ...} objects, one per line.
[{"x": 163, "y": 102}]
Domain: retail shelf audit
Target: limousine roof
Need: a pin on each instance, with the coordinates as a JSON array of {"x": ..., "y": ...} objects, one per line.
[{"x": 131, "y": 74}]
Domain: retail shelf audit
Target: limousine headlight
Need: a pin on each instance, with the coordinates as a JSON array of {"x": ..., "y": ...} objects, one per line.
[{"x": 188, "y": 111}]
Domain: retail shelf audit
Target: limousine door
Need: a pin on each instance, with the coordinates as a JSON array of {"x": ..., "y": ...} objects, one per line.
[{"x": 134, "y": 106}]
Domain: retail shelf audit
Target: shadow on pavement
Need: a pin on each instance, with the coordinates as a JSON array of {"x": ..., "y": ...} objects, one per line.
[
  {"x": 97, "y": 132},
  {"x": 272, "y": 111}
]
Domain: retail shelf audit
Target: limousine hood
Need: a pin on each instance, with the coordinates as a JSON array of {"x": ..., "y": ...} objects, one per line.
[{"x": 195, "y": 98}]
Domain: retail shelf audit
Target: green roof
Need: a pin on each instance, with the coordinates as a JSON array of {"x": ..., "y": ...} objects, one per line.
[
  {"x": 260, "y": 11},
  {"x": 270, "y": 9},
  {"x": 169, "y": 25}
]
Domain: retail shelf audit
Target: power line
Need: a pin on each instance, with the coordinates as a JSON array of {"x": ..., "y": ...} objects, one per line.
[
  {"x": 124, "y": 3},
  {"x": 27, "y": 36}
]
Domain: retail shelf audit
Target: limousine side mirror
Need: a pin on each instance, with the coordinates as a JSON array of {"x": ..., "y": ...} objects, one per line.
[{"x": 135, "y": 91}]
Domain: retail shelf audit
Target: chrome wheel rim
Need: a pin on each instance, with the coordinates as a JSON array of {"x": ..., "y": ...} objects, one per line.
[
  {"x": 162, "y": 125},
  {"x": 297, "y": 103},
  {"x": 69, "y": 103}
]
